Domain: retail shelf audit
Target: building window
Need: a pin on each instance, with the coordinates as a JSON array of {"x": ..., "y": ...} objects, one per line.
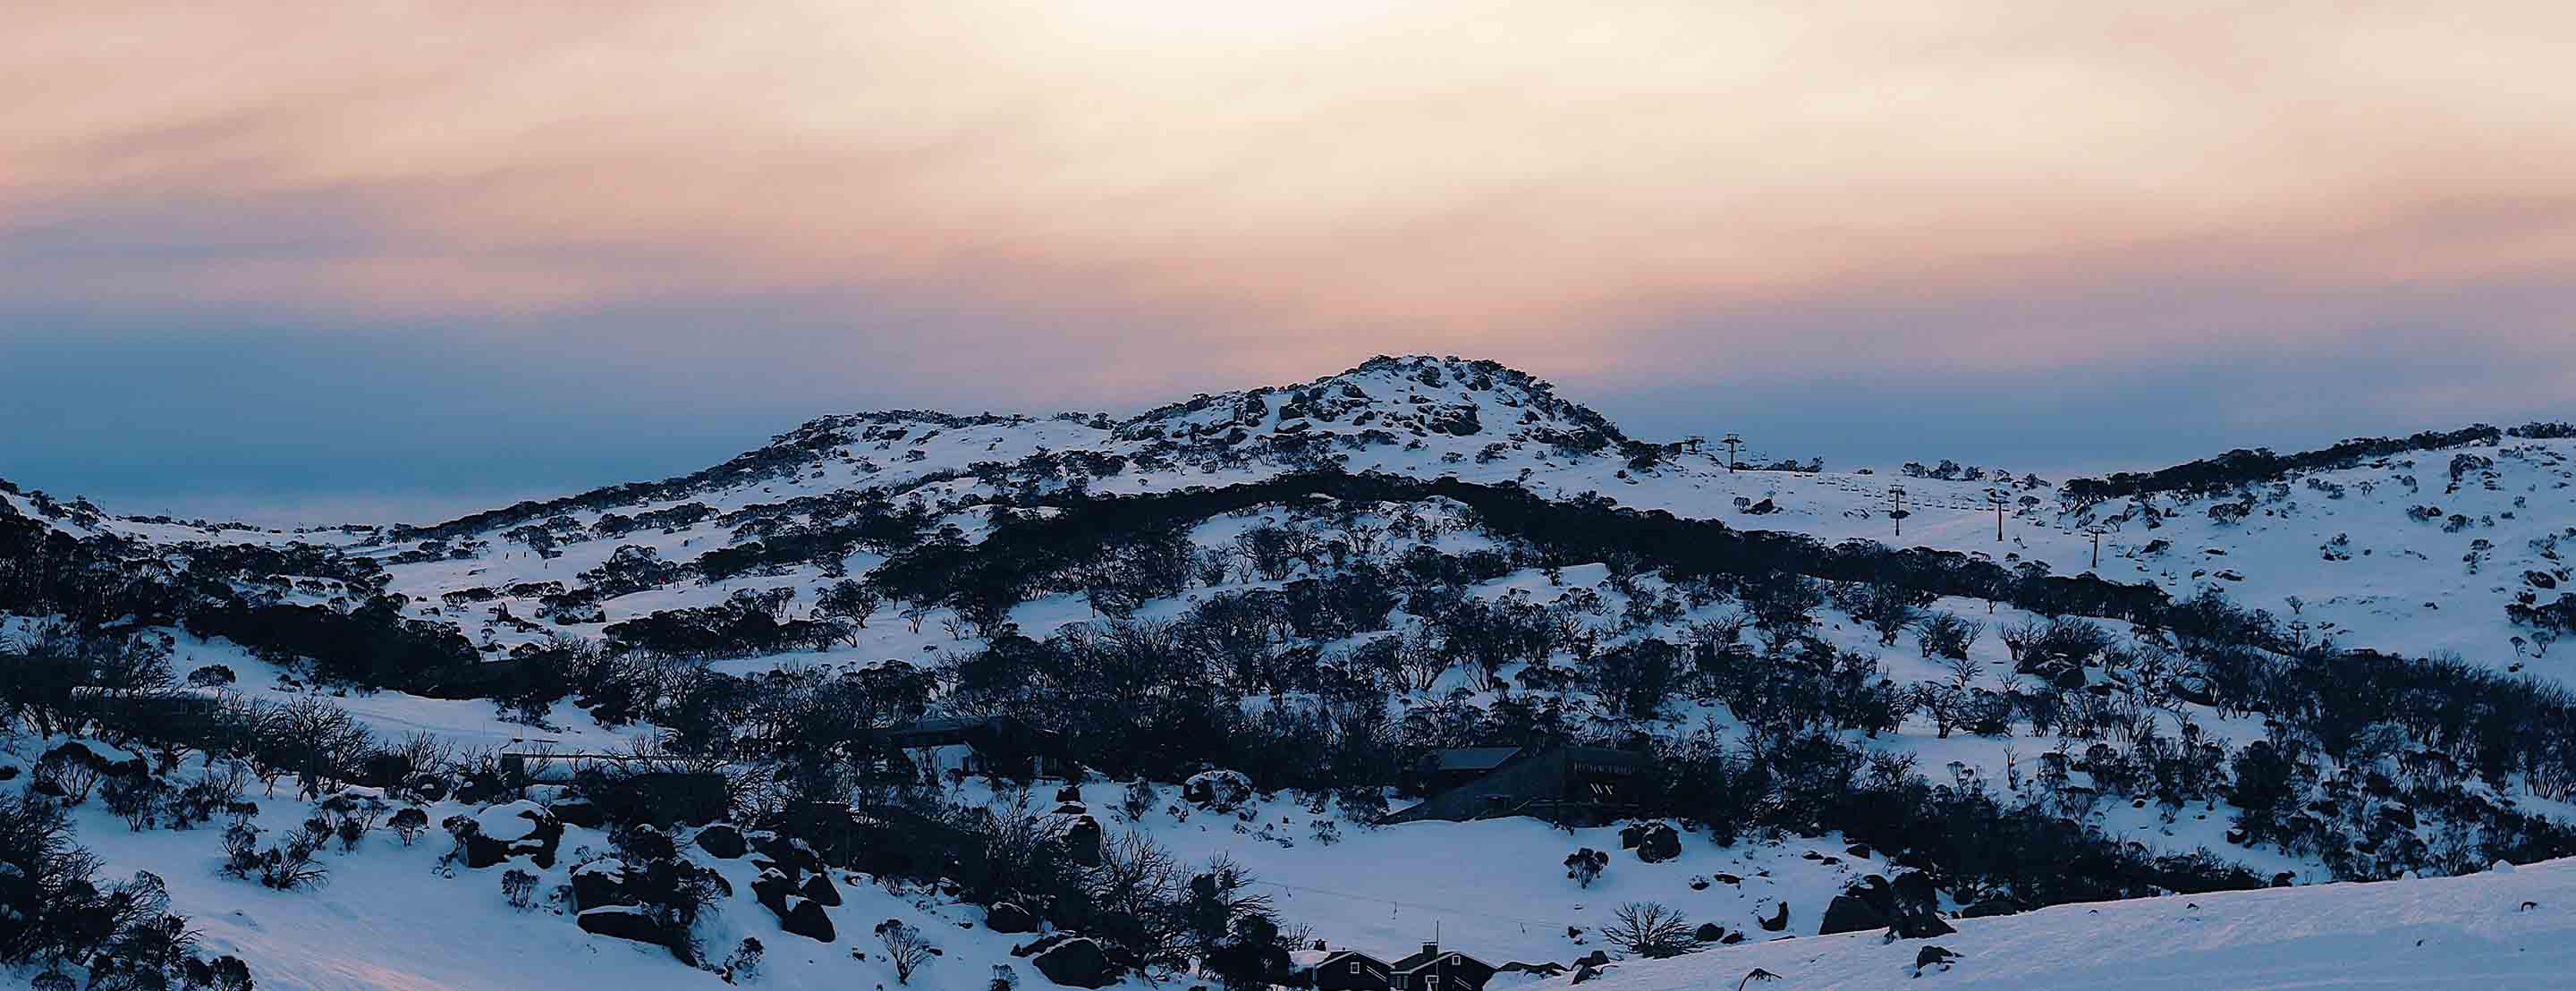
[{"x": 1355, "y": 966}]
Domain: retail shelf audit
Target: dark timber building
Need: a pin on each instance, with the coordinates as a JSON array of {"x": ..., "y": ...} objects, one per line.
[{"x": 1561, "y": 784}]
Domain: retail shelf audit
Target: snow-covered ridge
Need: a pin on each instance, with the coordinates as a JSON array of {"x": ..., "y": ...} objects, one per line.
[{"x": 1411, "y": 415}]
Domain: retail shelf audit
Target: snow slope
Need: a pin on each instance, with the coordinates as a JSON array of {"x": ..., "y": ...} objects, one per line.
[{"x": 2499, "y": 929}]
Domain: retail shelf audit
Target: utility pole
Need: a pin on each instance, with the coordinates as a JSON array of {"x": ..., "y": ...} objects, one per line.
[
  {"x": 1896, "y": 507},
  {"x": 1731, "y": 440},
  {"x": 2000, "y": 499},
  {"x": 2096, "y": 531}
]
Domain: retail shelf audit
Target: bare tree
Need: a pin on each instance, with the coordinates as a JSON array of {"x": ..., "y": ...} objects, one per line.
[
  {"x": 1651, "y": 930},
  {"x": 906, "y": 947}
]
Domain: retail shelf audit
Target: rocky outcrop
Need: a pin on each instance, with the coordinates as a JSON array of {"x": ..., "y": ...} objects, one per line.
[
  {"x": 1075, "y": 962},
  {"x": 722, "y": 840},
  {"x": 632, "y": 923},
  {"x": 1007, "y": 918},
  {"x": 1655, "y": 842}
]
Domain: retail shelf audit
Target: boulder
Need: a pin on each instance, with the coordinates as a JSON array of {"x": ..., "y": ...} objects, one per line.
[
  {"x": 599, "y": 883},
  {"x": 1596, "y": 958},
  {"x": 579, "y": 811},
  {"x": 1849, "y": 914},
  {"x": 1933, "y": 956},
  {"x": 1069, "y": 793},
  {"x": 1776, "y": 923},
  {"x": 1709, "y": 932},
  {"x": 805, "y": 918},
  {"x": 1874, "y": 890},
  {"x": 772, "y": 889},
  {"x": 818, "y": 888},
  {"x": 788, "y": 852},
  {"x": 1075, "y": 963},
  {"x": 1914, "y": 891},
  {"x": 1007, "y": 918},
  {"x": 1083, "y": 840},
  {"x": 1655, "y": 842},
  {"x": 521, "y": 828},
  {"x": 631, "y": 923},
  {"x": 1921, "y": 925},
  {"x": 721, "y": 840},
  {"x": 1217, "y": 791},
  {"x": 1989, "y": 908}
]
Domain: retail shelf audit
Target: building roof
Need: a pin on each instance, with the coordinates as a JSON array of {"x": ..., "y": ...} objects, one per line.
[
  {"x": 1427, "y": 957},
  {"x": 1474, "y": 758}
]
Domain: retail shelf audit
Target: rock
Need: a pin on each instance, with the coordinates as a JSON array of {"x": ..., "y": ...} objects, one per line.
[
  {"x": 1585, "y": 972},
  {"x": 1655, "y": 842},
  {"x": 805, "y": 918},
  {"x": 1776, "y": 923},
  {"x": 1217, "y": 791},
  {"x": 1596, "y": 958},
  {"x": 1933, "y": 956},
  {"x": 1069, "y": 793},
  {"x": 511, "y": 822},
  {"x": 721, "y": 840},
  {"x": 818, "y": 888},
  {"x": 2540, "y": 579},
  {"x": 1921, "y": 926},
  {"x": 630, "y": 923},
  {"x": 1912, "y": 906},
  {"x": 1914, "y": 893},
  {"x": 1007, "y": 918},
  {"x": 521, "y": 828},
  {"x": 1860, "y": 850},
  {"x": 1083, "y": 839},
  {"x": 1709, "y": 932},
  {"x": 772, "y": 889},
  {"x": 599, "y": 883},
  {"x": 1762, "y": 508},
  {"x": 788, "y": 852},
  {"x": 1989, "y": 908},
  {"x": 1848, "y": 914},
  {"x": 1075, "y": 963},
  {"x": 578, "y": 811}
]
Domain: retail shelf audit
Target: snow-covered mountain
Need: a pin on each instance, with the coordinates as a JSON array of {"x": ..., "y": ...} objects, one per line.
[{"x": 2154, "y": 676}]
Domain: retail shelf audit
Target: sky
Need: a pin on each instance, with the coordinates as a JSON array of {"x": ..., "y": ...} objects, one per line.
[{"x": 396, "y": 261}]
